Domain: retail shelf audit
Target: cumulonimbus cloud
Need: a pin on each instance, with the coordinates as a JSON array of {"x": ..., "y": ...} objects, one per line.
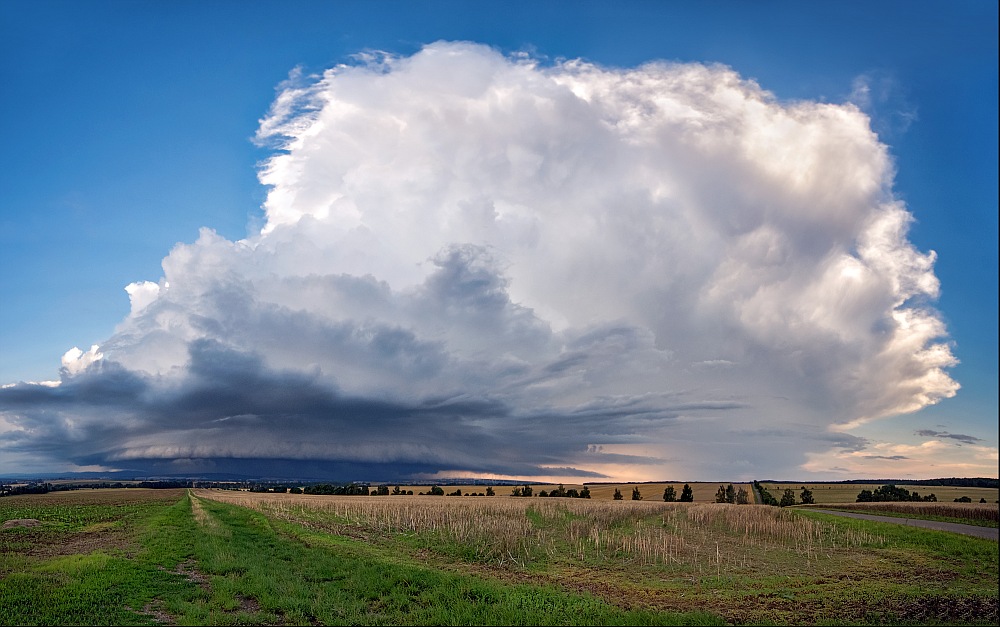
[{"x": 501, "y": 266}]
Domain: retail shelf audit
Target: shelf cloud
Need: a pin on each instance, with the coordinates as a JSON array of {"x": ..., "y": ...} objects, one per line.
[{"x": 486, "y": 265}]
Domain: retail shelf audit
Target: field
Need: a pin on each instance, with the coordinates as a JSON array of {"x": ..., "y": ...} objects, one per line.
[
  {"x": 848, "y": 492},
  {"x": 981, "y": 514},
  {"x": 220, "y": 557}
]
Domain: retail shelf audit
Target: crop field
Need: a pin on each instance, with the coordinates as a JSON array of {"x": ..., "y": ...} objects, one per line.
[
  {"x": 848, "y": 492},
  {"x": 223, "y": 557}
]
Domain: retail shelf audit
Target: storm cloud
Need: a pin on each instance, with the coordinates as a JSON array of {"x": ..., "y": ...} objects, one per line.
[{"x": 482, "y": 265}]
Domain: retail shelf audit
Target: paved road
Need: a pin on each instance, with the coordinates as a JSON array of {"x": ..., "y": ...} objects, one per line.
[{"x": 990, "y": 533}]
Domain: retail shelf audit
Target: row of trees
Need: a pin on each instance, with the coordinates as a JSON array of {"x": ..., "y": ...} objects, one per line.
[
  {"x": 729, "y": 494},
  {"x": 787, "y": 497},
  {"x": 670, "y": 494},
  {"x": 572, "y": 493},
  {"x": 891, "y": 493}
]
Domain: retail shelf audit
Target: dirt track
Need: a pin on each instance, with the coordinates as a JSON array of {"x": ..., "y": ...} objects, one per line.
[{"x": 990, "y": 533}]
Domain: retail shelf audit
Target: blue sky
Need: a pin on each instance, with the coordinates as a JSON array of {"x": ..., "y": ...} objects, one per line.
[{"x": 131, "y": 125}]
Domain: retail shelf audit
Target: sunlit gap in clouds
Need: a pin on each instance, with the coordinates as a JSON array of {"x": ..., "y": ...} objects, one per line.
[{"x": 481, "y": 265}]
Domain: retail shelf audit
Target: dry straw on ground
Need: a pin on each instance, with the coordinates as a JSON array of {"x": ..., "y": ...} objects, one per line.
[{"x": 503, "y": 531}]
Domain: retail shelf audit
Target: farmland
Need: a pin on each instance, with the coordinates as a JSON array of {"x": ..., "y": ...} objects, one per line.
[
  {"x": 825, "y": 493},
  {"x": 222, "y": 557},
  {"x": 981, "y": 514}
]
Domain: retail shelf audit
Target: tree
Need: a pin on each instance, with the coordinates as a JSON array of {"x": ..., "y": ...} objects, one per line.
[
  {"x": 543, "y": 493},
  {"x": 865, "y": 496},
  {"x": 687, "y": 494},
  {"x": 806, "y": 496},
  {"x": 560, "y": 491},
  {"x": 720, "y": 494},
  {"x": 526, "y": 490},
  {"x": 742, "y": 497},
  {"x": 515, "y": 492},
  {"x": 669, "y": 494},
  {"x": 397, "y": 491},
  {"x": 382, "y": 490},
  {"x": 437, "y": 491},
  {"x": 618, "y": 495},
  {"x": 572, "y": 493},
  {"x": 585, "y": 493},
  {"x": 730, "y": 494},
  {"x": 891, "y": 493},
  {"x": 489, "y": 491},
  {"x": 765, "y": 497},
  {"x": 788, "y": 498},
  {"x": 636, "y": 495}
]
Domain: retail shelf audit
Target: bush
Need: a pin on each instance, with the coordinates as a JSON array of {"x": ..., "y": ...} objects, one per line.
[
  {"x": 618, "y": 495},
  {"x": 636, "y": 495}
]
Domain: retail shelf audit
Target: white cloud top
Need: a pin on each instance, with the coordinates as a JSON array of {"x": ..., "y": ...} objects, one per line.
[{"x": 665, "y": 259}]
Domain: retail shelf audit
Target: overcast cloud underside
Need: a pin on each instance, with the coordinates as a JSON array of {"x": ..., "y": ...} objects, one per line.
[{"x": 480, "y": 265}]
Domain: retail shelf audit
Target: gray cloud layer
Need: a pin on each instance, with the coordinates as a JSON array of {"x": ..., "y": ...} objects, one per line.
[
  {"x": 476, "y": 264},
  {"x": 961, "y": 437}
]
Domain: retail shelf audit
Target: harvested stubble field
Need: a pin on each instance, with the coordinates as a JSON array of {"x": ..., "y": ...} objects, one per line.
[
  {"x": 148, "y": 557},
  {"x": 744, "y": 563},
  {"x": 825, "y": 493}
]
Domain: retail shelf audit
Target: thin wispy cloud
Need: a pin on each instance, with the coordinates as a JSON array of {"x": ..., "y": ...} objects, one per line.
[
  {"x": 480, "y": 264},
  {"x": 961, "y": 437}
]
